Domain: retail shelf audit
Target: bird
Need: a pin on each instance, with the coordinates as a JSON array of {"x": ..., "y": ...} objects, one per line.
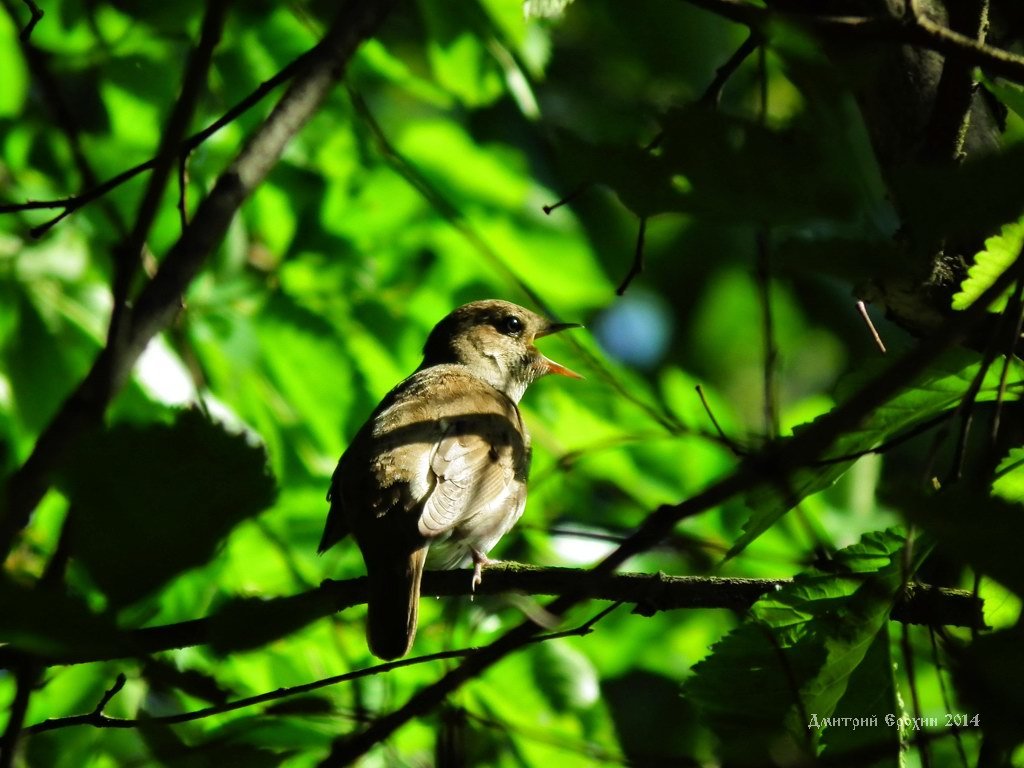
[{"x": 437, "y": 474}]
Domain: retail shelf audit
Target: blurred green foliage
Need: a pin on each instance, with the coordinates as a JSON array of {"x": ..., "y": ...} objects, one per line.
[{"x": 420, "y": 185}]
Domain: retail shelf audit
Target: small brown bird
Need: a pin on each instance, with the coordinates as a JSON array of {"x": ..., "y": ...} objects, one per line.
[{"x": 438, "y": 473}]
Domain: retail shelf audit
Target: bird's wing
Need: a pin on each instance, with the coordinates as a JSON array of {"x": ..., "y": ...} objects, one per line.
[
  {"x": 474, "y": 464},
  {"x": 337, "y": 526}
]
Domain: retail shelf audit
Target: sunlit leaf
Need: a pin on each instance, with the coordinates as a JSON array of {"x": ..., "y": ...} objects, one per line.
[
  {"x": 934, "y": 393},
  {"x": 1001, "y": 251},
  {"x": 1009, "y": 482},
  {"x": 565, "y": 676}
]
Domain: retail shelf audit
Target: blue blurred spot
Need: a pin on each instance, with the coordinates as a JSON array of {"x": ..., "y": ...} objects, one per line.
[{"x": 636, "y": 330}]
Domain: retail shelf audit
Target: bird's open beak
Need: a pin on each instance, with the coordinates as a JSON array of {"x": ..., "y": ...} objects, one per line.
[{"x": 552, "y": 366}]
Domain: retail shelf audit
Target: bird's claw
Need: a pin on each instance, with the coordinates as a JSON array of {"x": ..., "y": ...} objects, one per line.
[{"x": 479, "y": 561}]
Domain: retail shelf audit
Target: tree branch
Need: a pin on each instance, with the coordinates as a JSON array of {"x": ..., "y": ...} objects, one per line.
[
  {"x": 36, "y": 16},
  {"x": 128, "y": 254},
  {"x": 233, "y": 627},
  {"x": 97, "y": 719},
  {"x": 913, "y": 30},
  {"x": 161, "y": 298}
]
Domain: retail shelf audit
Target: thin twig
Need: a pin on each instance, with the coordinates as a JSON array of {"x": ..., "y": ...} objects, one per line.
[
  {"x": 862, "y": 308},
  {"x": 96, "y": 191},
  {"x": 110, "y": 693},
  {"x": 637, "y": 267},
  {"x": 713, "y": 93},
  {"x": 25, "y": 679},
  {"x": 731, "y": 444},
  {"x": 888, "y": 445},
  {"x": 129, "y": 251},
  {"x": 915, "y": 700},
  {"x": 565, "y": 200},
  {"x": 183, "y": 191},
  {"x": 51, "y": 90},
  {"x": 947, "y": 700},
  {"x": 37, "y": 16},
  {"x": 966, "y": 406},
  {"x": 97, "y": 719}
]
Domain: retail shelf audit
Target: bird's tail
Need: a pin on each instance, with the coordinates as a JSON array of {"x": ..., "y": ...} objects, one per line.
[{"x": 394, "y": 603}]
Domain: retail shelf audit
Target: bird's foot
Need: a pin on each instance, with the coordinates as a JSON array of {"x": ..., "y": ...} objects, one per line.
[{"x": 479, "y": 561}]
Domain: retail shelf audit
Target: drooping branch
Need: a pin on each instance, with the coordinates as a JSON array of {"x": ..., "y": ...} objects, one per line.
[{"x": 160, "y": 300}]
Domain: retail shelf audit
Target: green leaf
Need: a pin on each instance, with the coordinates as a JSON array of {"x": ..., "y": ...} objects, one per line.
[
  {"x": 150, "y": 502},
  {"x": 870, "y": 695},
  {"x": 50, "y": 623},
  {"x": 936, "y": 391},
  {"x": 1009, "y": 478},
  {"x": 1001, "y": 251},
  {"x": 12, "y": 95},
  {"x": 1010, "y": 94},
  {"x": 458, "y": 57},
  {"x": 798, "y": 654},
  {"x": 565, "y": 676}
]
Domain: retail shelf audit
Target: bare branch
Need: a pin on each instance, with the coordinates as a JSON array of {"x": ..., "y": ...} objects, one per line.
[
  {"x": 913, "y": 29},
  {"x": 128, "y": 253},
  {"x": 75, "y": 202},
  {"x": 194, "y": 79},
  {"x": 713, "y": 93},
  {"x": 53, "y": 96},
  {"x": 37, "y": 16},
  {"x": 97, "y": 719},
  {"x": 649, "y": 593},
  {"x": 862, "y": 308},
  {"x": 637, "y": 266}
]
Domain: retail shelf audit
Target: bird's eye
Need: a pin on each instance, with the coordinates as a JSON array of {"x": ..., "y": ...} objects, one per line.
[{"x": 512, "y": 325}]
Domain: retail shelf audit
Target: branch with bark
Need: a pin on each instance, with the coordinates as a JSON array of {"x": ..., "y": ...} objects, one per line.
[{"x": 250, "y": 623}]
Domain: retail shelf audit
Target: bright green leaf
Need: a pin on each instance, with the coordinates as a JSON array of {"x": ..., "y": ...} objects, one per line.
[
  {"x": 1001, "y": 251},
  {"x": 935, "y": 392},
  {"x": 1009, "y": 482}
]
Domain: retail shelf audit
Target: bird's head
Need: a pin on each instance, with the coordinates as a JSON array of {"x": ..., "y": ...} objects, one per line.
[{"x": 494, "y": 339}]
